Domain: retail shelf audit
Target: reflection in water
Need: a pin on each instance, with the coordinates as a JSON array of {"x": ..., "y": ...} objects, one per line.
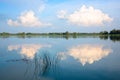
[
  {"x": 27, "y": 50},
  {"x": 87, "y": 53},
  {"x": 41, "y": 66},
  {"x": 38, "y": 65},
  {"x": 104, "y": 37},
  {"x": 115, "y": 38},
  {"x": 42, "y": 63},
  {"x": 61, "y": 56}
]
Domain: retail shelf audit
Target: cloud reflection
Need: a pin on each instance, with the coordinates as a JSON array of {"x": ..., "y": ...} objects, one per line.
[
  {"x": 61, "y": 56},
  {"x": 88, "y": 53},
  {"x": 27, "y": 50}
]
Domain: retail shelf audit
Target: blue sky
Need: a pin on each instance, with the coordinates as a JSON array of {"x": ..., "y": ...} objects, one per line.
[{"x": 59, "y": 15}]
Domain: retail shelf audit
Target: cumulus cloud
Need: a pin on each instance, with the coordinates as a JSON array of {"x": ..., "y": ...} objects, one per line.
[
  {"x": 88, "y": 16},
  {"x": 27, "y": 50},
  {"x": 61, "y": 14},
  {"x": 27, "y": 19}
]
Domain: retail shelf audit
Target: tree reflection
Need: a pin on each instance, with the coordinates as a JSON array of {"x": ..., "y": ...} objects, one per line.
[
  {"x": 105, "y": 37},
  {"x": 115, "y": 38}
]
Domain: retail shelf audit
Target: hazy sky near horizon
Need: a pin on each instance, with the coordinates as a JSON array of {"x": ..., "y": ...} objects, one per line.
[{"x": 59, "y": 15}]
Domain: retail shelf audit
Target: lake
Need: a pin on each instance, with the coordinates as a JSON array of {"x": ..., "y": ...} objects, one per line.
[{"x": 50, "y": 58}]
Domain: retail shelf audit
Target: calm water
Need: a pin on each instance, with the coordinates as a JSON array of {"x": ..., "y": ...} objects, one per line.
[{"x": 83, "y": 58}]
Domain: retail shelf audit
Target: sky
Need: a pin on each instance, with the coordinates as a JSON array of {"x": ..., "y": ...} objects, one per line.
[{"x": 41, "y": 16}]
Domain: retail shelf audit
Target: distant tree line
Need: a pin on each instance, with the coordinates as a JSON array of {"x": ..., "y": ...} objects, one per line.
[
  {"x": 114, "y": 31},
  {"x": 113, "y": 35}
]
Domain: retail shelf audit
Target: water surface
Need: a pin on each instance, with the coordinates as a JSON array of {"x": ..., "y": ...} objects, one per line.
[{"x": 39, "y": 58}]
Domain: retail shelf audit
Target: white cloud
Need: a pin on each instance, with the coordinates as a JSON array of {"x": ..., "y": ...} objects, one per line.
[
  {"x": 27, "y": 19},
  {"x": 61, "y": 14},
  {"x": 88, "y": 16},
  {"x": 41, "y": 7},
  {"x": 13, "y": 23}
]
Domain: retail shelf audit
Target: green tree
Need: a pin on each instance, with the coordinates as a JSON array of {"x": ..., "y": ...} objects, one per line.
[
  {"x": 114, "y": 31},
  {"x": 104, "y": 32}
]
